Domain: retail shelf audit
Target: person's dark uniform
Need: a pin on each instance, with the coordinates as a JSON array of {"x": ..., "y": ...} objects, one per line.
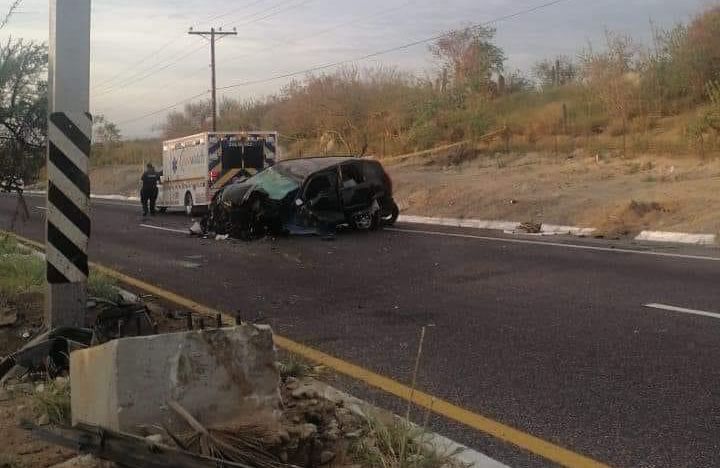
[{"x": 149, "y": 191}]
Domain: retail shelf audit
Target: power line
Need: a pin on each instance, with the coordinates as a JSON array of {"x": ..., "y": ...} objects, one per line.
[
  {"x": 392, "y": 49},
  {"x": 285, "y": 42},
  {"x": 147, "y": 73},
  {"x": 364, "y": 57},
  {"x": 166, "y": 108},
  {"x": 273, "y": 11},
  {"x": 169, "y": 43},
  {"x": 15, "y": 5},
  {"x": 139, "y": 62},
  {"x": 154, "y": 69},
  {"x": 227, "y": 13},
  {"x": 214, "y": 36}
]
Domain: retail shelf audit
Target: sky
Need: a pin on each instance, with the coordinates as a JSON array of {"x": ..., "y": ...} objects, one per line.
[{"x": 143, "y": 61}]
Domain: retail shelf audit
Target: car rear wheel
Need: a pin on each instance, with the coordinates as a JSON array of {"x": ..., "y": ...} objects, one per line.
[{"x": 362, "y": 221}]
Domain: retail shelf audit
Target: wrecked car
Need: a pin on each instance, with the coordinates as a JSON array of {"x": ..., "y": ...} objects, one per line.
[{"x": 305, "y": 196}]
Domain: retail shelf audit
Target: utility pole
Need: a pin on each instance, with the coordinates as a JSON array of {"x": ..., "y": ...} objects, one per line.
[
  {"x": 211, "y": 35},
  {"x": 67, "y": 226}
]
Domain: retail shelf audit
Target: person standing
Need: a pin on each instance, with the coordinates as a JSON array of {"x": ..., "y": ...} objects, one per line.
[{"x": 149, "y": 190}]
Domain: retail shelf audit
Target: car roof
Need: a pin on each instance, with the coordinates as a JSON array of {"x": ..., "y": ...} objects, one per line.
[{"x": 303, "y": 167}]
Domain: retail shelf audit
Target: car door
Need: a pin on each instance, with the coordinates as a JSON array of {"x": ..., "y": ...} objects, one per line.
[
  {"x": 322, "y": 198},
  {"x": 355, "y": 191}
]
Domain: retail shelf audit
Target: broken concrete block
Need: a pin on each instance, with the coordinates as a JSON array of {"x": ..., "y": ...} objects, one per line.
[{"x": 221, "y": 376}]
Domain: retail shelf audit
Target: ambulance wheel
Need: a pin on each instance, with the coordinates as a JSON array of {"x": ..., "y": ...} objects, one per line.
[{"x": 189, "y": 207}]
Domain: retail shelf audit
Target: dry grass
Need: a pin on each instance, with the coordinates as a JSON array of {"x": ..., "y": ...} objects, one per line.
[
  {"x": 129, "y": 152},
  {"x": 296, "y": 368},
  {"x": 630, "y": 218},
  {"x": 397, "y": 444},
  {"x": 53, "y": 401},
  {"x": 11, "y": 461},
  {"x": 102, "y": 287},
  {"x": 20, "y": 271},
  {"x": 581, "y": 190},
  {"x": 118, "y": 179}
]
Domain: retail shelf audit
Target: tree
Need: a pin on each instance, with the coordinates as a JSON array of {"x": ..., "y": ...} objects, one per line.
[
  {"x": 551, "y": 73},
  {"x": 516, "y": 82},
  {"x": 613, "y": 77},
  {"x": 684, "y": 60},
  {"x": 105, "y": 132},
  {"x": 698, "y": 56},
  {"x": 471, "y": 57},
  {"x": 23, "y": 110},
  {"x": 195, "y": 118},
  {"x": 709, "y": 120},
  {"x": 664, "y": 74}
]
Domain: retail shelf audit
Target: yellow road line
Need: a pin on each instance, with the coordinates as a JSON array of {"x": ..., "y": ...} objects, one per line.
[{"x": 439, "y": 406}]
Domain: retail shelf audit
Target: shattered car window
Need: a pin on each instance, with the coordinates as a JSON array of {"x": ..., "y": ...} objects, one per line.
[
  {"x": 275, "y": 183},
  {"x": 318, "y": 185},
  {"x": 351, "y": 175},
  {"x": 373, "y": 172}
]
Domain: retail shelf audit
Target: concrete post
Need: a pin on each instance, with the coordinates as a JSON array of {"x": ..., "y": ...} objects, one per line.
[{"x": 69, "y": 136}]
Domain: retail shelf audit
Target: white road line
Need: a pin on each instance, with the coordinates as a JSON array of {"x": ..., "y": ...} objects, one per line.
[
  {"x": 95, "y": 202},
  {"x": 683, "y": 310},
  {"x": 556, "y": 244},
  {"x": 160, "y": 228}
]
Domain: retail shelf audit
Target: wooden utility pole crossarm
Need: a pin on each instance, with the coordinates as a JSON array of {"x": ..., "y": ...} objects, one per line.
[{"x": 211, "y": 36}]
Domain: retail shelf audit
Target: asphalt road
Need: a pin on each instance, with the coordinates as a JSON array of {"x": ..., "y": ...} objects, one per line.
[{"x": 550, "y": 339}]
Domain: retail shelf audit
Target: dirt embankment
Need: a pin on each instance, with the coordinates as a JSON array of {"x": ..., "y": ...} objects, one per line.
[
  {"x": 619, "y": 196},
  {"x": 121, "y": 179}
]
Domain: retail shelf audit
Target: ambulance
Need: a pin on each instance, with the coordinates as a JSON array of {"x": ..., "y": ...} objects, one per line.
[{"x": 197, "y": 166}]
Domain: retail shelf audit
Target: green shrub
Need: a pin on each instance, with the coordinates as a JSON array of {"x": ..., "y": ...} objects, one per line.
[
  {"x": 53, "y": 401},
  {"x": 102, "y": 287},
  {"x": 20, "y": 270},
  {"x": 397, "y": 444}
]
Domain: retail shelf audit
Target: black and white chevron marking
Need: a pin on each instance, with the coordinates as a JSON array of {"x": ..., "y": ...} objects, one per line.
[{"x": 68, "y": 197}]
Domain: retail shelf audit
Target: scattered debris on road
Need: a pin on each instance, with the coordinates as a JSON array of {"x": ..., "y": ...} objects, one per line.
[
  {"x": 530, "y": 227},
  {"x": 196, "y": 229}
]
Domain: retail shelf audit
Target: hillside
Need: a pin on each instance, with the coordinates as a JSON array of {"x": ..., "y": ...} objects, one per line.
[
  {"x": 624, "y": 136},
  {"x": 618, "y": 196}
]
